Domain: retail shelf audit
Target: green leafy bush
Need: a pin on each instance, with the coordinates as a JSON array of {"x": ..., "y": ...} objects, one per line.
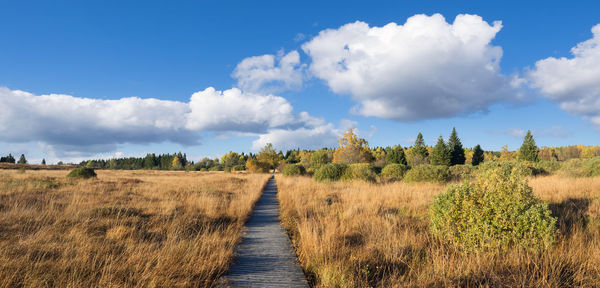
[
  {"x": 82, "y": 173},
  {"x": 394, "y": 171},
  {"x": 461, "y": 172},
  {"x": 497, "y": 210},
  {"x": 525, "y": 168},
  {"x": 428, "y": 173},
  {"x": 548, "y": 166},
  {"x": 239, "y": 167},
  {"x": 581, "y": 167},
  {"x": 330, "y": 172},
  {"x": 360, "y": 171},
  {"x": 293, "y": 170}
]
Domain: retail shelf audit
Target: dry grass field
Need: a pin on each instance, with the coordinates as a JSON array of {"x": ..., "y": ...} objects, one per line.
[
  {"x": 355, "y": 234},
  {"x": 123, "y": 229}
]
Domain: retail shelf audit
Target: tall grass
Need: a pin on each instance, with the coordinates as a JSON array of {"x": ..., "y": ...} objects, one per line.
[
  {"x": 377, "y": 235},
  {"x": 121, "y": 229}
]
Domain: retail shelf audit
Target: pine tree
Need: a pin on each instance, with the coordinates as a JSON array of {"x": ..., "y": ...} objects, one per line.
[
  {"x": 440, "y": 154},
  {"x": 528, "y": 151},
  {"x": 44, "y": 161},
  {"x": 457, "y": 153},
  {"x": 477, "y": 155},
  {"x": 22, "y": 159},
  {"x": 396, "y": 156}
]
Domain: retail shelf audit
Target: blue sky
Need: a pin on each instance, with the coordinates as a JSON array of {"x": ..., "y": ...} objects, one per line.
[{"x": 112, "y": 50}]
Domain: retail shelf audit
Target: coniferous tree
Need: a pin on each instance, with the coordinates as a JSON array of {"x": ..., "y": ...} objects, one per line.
[
  {"x": 22, "y": 159},
  {"x": 396, "y": 156},
  {"x": 478, "y": 155},
  {"x": 457, "y": 153},
  {"x": 528, "y": 151},
  {"x": 44, "y": 161},
  {"x": 419, "y": 148},
  {"x": 440, "y": 154}
]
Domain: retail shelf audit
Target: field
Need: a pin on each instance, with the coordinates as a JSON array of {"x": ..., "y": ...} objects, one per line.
[
  {"x": 123, "y": 229},
  {"x": 356, "y": 234}
]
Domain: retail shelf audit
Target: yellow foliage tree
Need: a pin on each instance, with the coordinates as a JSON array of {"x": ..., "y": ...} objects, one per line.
[{"x": 352, "y": 149}]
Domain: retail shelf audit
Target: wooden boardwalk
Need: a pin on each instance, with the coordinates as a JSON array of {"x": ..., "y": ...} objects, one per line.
[{"x": 265, "y": 257}]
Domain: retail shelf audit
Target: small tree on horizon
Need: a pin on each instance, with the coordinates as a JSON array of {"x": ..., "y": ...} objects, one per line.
[
  {"x": 440, "y": 154},
  {"x": 457, "y": 153},
  {"x": 22, "y": 159},
  {"x": 268, "y": 155},
  {"x": 44, "y": 161},
  {"x": 352, "y": 149},
  {"x": 529, "y": 151},
  {"x": 478, "y": 155},
  {"x": 418, "y": 152}
]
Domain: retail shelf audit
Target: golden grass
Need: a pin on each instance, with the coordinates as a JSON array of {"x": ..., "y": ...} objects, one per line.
[
  {"x": 353, "y": 234},
  {"x": 123, "y": 229}
]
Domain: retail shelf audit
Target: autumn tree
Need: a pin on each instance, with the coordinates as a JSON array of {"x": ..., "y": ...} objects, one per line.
[
  {"x": 269, "y": 156},
  {"x": 528, "y": 151},
  {"x": 457, "y": 153},
  {"x": 440, "y": 154},
  {"x": 506, "y": 155},
  {"x": 352, "y": 149},
  {"x": 320, "y": 158},
  {"x": 176, "y": 163}
]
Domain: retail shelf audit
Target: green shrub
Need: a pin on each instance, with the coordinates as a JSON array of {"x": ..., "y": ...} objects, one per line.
[
  {"x": 461, "y": 172},
  {"x": 360, "y": 171},
  {"x": 293, "y": 170},
  {"x": 330, "y": 172},
  {"x": 216, "y": 168},
  {"x": 581, "y": 167},
  {"x": 310, "y": 171},
  {"x": 240, "y": 167},
  {"x": 525, "y": 168},
  {"x": 498, "y": 210},
  {"x": 548, "y": 166},
  {"x": 394, "y": 171},
  {"x": 83, "y": 173},
  {"x": 428, "y": 173}
]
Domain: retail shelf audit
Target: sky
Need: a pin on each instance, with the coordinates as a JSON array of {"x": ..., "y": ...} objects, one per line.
[{"x": 102, "y": 79}]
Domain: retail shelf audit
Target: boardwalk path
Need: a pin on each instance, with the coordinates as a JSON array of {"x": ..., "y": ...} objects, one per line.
[{"x": 265, "y": 257}]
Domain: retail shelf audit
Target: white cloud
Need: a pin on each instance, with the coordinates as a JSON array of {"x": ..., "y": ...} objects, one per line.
[
  {"x": 270, "y": 73},
  {"x": 325, "y": 135},
  {"x": 234, "y": 110},
  {"x": 426, "y": 68},
  {"x": 75, "y": 127},
  {"x": 573, "y": 82}
]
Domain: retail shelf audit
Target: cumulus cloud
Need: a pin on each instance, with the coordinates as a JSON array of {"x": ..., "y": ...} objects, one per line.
[
  {"x": 426, "y": 68},
  {"x": 75, "y": 125},
  {"x": 573, "y": 82},
  {"x": 270, "y": 73},
  {"x": 325, "y": 135}
]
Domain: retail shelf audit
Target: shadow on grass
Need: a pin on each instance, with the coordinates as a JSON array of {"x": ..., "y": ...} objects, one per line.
[{"x": 571, "y": 214}]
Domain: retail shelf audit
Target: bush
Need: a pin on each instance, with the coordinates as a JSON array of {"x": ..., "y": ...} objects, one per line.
[
  {"x": 394, "y": 171},
  {"x": 293, "y": 170},
  {"x": 461, "y": 172},
  {"x": 428, "y": 173},
  {"x": 360, "y": 171},
  {"x": 240, "y": 167},
  {"x": 83, "y": 173},
  {"x": 581, "y": 167},
  {"x": 548, "y": 166},
  {"x": 525, "y": 168},
  {"x": 330, "y": 172},
  {"x": 498, "y": 210}
]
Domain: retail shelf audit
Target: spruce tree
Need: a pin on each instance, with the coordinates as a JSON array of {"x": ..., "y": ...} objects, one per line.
[
  {"x": 528, "y": 151},
  {"x": 478, "y": 156},
  {"x": 419, "y": 148},
  {"x": 22, "y": 159},
  {"x": 440, "y": 154},
  {"x": 396, "y": 156},
  {"x": 457, "y": 153},
  {"x": 44, "y": 161}
]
